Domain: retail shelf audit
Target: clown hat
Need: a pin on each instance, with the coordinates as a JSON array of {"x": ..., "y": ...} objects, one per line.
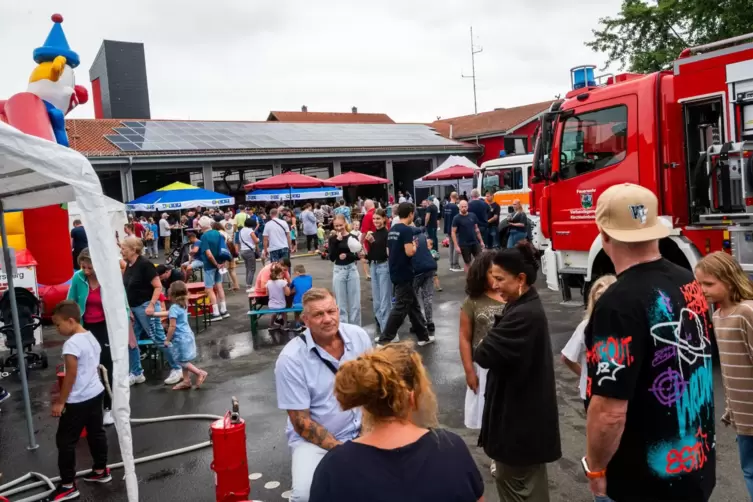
[{"x": 56, "y": 45}]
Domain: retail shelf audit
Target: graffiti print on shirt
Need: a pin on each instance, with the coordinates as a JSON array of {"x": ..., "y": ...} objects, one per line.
[
  {"x": 610, "y": 355},
  {"x": 683, "y": 380}
]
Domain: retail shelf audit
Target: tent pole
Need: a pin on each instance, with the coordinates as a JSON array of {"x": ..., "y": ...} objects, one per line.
[{"x": 17, "y": 331}]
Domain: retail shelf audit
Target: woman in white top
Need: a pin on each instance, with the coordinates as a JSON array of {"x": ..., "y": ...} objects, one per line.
[
  {"x": 574, "y": 353},
  {"x": 249, "y": 241}
]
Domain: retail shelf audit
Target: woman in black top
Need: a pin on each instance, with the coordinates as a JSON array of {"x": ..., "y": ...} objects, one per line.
[
  {"x": 520, "y": 425},
  {"x": 346, "y": 282},
  {"x": 399, "y": 458},
  {"x": 143, "y": 288},
  {"x": 381, "y": 285}
]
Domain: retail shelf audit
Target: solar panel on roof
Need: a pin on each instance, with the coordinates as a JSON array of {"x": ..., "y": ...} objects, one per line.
[{"x": 182, "y": 135}]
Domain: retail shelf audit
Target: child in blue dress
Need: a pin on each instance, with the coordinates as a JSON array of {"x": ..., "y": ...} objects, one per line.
[{"x": 180, "y": 336}]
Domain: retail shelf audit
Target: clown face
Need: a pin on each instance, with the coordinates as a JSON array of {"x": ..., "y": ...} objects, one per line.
[{"x": 61, "y": 93}]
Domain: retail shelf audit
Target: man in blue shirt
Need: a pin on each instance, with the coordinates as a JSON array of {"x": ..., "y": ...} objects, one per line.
[
  {"x": 79, "y": 241},
  {"x": 466, "y": 235},
  {"x": 209, "y": 253},
  {"x": 478, "y": 207},
  {"x": 450, "y": 211},
  {"x": 402, "y": 247},
  {"x": 305, "y": 381}
]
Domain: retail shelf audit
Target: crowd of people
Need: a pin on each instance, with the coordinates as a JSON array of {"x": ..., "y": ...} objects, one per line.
[
  {"x": 361, "y": 409},
  {"x": 642, "y": 354}
]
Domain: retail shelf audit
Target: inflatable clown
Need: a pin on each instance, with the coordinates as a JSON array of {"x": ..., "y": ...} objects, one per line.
[
  {"x": 53, "y": 80},
  {"x": 40, "y": 111}
]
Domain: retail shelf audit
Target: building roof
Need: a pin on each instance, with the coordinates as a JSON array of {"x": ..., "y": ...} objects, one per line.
[
  {"x": 125, "y": 138},
  {"x": 499, "y": 121},
  {"x": 330, "y": 118}
]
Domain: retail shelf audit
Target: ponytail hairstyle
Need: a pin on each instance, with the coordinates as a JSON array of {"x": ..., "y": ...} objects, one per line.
[
  {"x": 340, "y": 216},
  {"x": 390, "y": 383},
  {"x": 725, "y": 268},
  {"x": 522, "y": 259},
  {"x": 178, "y": 293},
  {"x": 597, "y": 289}
]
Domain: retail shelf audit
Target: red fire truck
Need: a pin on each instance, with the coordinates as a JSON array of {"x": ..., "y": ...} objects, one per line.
[{"x": 684, "y": 133}]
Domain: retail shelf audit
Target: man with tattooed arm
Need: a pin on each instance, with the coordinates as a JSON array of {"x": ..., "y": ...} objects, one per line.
[{"x": 305, "y": 380}]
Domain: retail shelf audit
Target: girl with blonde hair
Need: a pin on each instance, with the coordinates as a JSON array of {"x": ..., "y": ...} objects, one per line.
[
  {"x": 574, "y": 353},
  {"x": 399, "y": 410},
  {"x": 725, "y": 284}
]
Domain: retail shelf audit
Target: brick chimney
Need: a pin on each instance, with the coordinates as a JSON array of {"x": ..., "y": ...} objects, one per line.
[
  {"x": 354, "y": 109},
  {"x": 304, "y": 108}
]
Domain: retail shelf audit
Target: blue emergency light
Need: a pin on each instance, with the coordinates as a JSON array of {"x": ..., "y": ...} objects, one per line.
[{"x": 583, "y": 76}]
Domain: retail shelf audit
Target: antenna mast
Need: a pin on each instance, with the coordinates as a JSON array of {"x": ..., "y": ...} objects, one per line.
[{"x": 474, "y": 50}]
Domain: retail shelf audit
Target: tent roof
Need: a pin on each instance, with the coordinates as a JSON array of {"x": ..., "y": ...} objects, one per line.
[
  {"x": 452, "y": 160},
  {"x": 289, "y": 179},
  {"x": 23, "y": 185}
]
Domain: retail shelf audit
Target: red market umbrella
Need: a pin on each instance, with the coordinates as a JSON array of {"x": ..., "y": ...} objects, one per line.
[
  {"x": 457, "y": 172},
  {"x": 287, "y": 180},
  {"x": 353, "y": 178}
]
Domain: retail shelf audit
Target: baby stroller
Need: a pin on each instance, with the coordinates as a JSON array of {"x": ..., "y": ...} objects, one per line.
[
  {"x": 29, "y": 319},
  {"x": 179, "y": 254}
]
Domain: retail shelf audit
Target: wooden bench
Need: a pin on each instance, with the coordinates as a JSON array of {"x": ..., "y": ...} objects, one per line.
[{"x": 255, "y": 314}]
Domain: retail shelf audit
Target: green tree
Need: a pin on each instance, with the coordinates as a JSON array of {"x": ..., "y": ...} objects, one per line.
[{"x": 647, "y": 36}]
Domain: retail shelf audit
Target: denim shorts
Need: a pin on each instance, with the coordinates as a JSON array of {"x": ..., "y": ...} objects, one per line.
[
  {"x": 278, "y": 254},
  {"x": 212, "y": 277},
  {"x": 184, "y": 351}
]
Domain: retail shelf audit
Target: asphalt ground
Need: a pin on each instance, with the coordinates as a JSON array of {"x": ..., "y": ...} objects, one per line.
[{"x": 236, "y": 369}]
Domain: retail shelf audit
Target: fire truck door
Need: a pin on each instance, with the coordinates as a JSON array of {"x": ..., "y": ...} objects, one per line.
[{"x": 594, "y": 149}]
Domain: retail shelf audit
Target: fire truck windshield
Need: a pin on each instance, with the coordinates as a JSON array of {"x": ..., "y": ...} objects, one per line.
[
  {"x": 503, "y": 180},
  {"x": 593, "y": 140}
]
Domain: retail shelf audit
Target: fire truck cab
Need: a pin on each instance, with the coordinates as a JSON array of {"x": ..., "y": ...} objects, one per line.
[
  {"x": 508, "y": 178},
  {"x": 684, "y": 133}
]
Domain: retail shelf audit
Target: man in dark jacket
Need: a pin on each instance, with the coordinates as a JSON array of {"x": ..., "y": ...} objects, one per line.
[{"x": 520, "y": 423}]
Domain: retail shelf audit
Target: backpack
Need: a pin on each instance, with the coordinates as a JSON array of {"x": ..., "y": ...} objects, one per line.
[{"x": 224, "y": 255}]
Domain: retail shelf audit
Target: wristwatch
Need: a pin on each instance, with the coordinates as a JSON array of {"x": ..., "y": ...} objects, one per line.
[{"x": 592, "y": 474}]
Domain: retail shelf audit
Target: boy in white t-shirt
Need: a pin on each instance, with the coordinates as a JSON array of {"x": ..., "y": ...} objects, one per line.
[{"x": 80, "y": 403}]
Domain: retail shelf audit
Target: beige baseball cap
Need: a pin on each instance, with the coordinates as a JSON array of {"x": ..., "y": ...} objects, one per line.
[{"x": 630, "y": 213}]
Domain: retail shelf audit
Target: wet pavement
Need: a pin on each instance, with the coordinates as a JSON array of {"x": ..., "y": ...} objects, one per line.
[{"x": 226, "y": 352}]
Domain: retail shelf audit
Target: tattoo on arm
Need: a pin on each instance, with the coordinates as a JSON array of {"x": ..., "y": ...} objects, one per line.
[{"x": 312, "y": 431}]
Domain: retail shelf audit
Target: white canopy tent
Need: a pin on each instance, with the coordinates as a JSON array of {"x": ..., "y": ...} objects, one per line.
[
  {"x": 34, "y": 173},
  {"x": 116, "y": 215},
  {"x": 461, "y": 185}
]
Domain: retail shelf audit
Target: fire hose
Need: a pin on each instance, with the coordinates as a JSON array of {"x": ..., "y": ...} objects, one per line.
[{"x": 7, "y": 489}]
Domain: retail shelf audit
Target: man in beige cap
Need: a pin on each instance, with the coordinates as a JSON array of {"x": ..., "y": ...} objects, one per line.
[{"x": 650, "y": 428}]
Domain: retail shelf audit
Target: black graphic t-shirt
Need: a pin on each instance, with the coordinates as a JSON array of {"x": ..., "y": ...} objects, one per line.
[{"x": 649, "y": 343}]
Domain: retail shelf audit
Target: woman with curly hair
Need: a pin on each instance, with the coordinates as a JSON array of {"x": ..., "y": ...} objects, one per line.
[
  {"x": 399, "y": 437},
  {"x": 476, "y": 319}
]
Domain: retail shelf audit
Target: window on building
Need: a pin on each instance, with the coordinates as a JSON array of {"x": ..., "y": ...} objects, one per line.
[{"x": 593, "y": 140}]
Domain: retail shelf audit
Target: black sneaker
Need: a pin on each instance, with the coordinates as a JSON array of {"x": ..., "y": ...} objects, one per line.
[
  {"x": 102, "y": 477},
  {"x": 215, "y": 318},
  {"x": 62, "y": 493},
  {"x": 4, "y": 395}
]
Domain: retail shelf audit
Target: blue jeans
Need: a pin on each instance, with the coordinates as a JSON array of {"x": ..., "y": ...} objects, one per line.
[
  {"x": 602, "y": 499},
  {"x": 150, "y": 327},
  {"x": 381, "y": 292},
  {"x": 134, "y": 361},
  {"x": 745, "y": 446},
  {"x": 492, "y": 237},
  {"x": 346, "y": 283},
  {"x": 454, "y": 255},
  {"x": 514, "y": 236}
]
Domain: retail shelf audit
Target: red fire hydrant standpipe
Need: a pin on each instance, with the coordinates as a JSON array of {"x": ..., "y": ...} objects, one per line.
[{"x": 230, "y": 463}]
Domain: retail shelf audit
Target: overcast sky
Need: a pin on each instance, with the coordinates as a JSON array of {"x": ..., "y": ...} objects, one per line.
[{"x": 239, "y": 59}]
